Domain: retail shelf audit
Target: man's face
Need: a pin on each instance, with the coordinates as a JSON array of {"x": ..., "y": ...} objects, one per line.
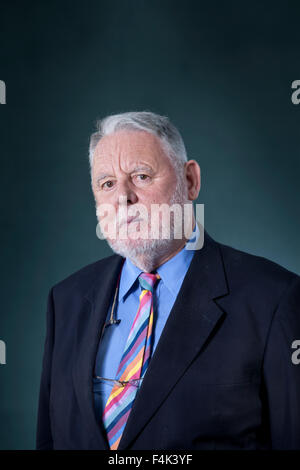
[{"x": 133, "y": 165}]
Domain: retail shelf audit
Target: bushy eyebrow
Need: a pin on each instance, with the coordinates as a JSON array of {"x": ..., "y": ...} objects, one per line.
[
  {"x": 142, "y": 168},
  {"x": 102, "y": 176}
]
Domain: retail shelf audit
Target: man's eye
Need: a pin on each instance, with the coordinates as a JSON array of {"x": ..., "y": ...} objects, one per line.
[
  {"x": 142, "y": 177},
  {"x": 107, "y": 184}
]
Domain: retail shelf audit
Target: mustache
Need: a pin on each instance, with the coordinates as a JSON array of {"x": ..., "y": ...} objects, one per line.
[{"x": 128, "y": 220}]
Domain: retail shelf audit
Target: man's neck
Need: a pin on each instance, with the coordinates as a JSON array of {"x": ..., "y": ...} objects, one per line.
[
  {"x": 148, "y": 263},
  {"x": 166, "y": 258}
]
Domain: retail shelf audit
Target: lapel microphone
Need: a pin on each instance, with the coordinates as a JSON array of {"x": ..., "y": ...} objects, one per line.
[{"x": 113, "y": 322}]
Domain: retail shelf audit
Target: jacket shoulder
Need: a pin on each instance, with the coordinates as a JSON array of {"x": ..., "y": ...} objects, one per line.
[
  {"x": 255, "y": 271},
  {"x": 83, "y": 278}
]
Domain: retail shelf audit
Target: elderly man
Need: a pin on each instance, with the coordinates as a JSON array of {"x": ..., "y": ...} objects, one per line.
[{"x": 167, "y": 344}]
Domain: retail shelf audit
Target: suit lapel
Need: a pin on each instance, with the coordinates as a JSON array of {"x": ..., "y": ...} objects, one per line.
[
  {"x": 91, "y": 321},
  {"x": 193, "y": 311}
]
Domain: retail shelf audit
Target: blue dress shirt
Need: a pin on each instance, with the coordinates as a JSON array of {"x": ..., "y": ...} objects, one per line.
[{"x": 114, "y": 338}]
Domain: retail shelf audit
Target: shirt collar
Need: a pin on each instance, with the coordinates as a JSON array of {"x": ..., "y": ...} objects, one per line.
[
  {"x": 169, "y": 271},
  {"x": 129, "y": 275},
  {"x": 173, "y": 271}
]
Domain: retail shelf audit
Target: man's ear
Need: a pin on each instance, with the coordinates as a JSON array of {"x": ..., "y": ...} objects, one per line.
[{"x": 192, "y": 173}]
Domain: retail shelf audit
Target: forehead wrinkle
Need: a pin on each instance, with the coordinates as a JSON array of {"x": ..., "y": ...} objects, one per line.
[
  {"x": 138, "y": 166},
  {"x": 114, "y": 149}
]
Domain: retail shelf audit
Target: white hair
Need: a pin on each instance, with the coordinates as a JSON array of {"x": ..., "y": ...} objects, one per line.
[{"x": 156, "y": 124}]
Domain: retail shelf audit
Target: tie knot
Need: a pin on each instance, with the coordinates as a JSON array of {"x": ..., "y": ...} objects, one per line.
[{"x": 148, "y": 280}]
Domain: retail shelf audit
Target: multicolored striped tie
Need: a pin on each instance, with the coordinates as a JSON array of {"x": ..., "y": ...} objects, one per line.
[{"x": 133, "y": 365}]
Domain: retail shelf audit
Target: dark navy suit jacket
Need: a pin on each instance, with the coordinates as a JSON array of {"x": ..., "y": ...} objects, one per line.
[{"x": 221, "y": 377}]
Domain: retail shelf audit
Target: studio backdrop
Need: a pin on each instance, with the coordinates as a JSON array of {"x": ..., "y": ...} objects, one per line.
[{"x": 227, "y": 74}]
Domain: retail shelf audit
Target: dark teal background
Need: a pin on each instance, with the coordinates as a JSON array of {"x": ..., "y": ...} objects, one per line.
[{"x": 222, "y": 71}]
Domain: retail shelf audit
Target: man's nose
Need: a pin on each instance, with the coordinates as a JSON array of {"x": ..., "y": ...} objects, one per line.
[{"x": 126, "y": 193}]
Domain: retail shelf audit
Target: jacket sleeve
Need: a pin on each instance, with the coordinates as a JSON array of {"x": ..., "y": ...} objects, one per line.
[
  {"x": 43, "y": 436},
  {"x": 281, "y": 371}
]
